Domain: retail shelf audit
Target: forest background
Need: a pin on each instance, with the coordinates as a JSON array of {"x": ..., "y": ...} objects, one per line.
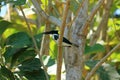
[{"x": 27, "y": 54}]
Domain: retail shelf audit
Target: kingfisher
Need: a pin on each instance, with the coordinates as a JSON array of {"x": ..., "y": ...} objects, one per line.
[{"x": 55, "y": 36}]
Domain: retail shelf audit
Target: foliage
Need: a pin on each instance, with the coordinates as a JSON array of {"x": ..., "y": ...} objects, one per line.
[
  {"x": 18, "y": 57},
  {"x": 4, "y": 25},
  {"x": 96, "y": 48},
  {"x": 19, "y": 54},
  {"x": 101, "y": 71},
  {"x": 15, "y": 2}
]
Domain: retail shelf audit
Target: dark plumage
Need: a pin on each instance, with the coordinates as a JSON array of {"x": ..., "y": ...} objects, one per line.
[{"x": 55, "y": 36}]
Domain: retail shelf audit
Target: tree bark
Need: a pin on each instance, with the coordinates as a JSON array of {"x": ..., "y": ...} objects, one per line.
[{"x": 73, "y": 55}]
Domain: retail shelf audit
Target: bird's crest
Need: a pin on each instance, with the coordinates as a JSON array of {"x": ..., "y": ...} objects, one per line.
[{"x": 51, "y": 32}]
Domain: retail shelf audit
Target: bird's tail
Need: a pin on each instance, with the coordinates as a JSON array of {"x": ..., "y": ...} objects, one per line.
[{"x": 75, "y": 45}]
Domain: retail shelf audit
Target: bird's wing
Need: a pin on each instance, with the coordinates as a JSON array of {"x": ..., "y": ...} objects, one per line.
[{"x": 66, "y": 41}]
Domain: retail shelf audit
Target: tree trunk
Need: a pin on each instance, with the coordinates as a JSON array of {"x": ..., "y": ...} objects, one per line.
[{"x": 73, "y": 55}]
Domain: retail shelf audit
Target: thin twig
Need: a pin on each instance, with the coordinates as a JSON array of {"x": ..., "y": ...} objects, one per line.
[
  {"x": 35, "y": 44},
  {"x": 44, "y": 49},
  {"x": 90, "y": 17},
  {"x": 28, "y": 19},
  {"x": 77, "y": 12},
  {"x": 103, "y": 22},
  {"x": 59, "y": 57},
  {"x": 100, "y": 62},
  {"x": 46, "y": 38},
  {"x": 51, "y": 19},
  {"x": 1, "y": 57}
]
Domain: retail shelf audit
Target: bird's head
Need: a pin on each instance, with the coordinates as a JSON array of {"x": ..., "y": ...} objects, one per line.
[{"x": 51, "y": 32}]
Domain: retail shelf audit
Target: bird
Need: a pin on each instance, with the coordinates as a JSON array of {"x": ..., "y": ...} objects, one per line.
[{"x": 55, "y": 36}]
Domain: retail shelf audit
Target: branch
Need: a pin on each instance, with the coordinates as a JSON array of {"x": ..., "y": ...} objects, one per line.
[
  {"x": 100, "y": 62},
  {"x": 44, "y": 50},
  {"x": 35, "y": 44},
  {"x": 22, "y": 17},
  {"x": 103, "y": 22},
  {"x": 77, "y": 12},
  {"x": 44, "y": 15},
  {"x": 59, "y": 57},
  {"x": 84, "y": 29}
]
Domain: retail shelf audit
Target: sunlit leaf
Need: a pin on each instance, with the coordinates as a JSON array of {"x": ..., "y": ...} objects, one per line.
[
  {"x": 44, "y": 4},
  {"x": 3, "y": 26},
  {"x": 52, "y": 77},
  {"x": 53, "y": 49},
  {"x": 115, "y": 57}
]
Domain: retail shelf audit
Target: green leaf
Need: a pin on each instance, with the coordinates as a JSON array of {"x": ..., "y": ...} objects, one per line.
[
  {"x": 35, "y": 75},
  {"x": 18, "y": 40},
  {"x": 94, "y": 49},
  {"x": 10, "y": 52},
  {"x": 38, "y": 39},
  {"x": 17, "y": 2},
  {"x": 30, "y": 65},
  {"x": 31, "y": 69},
  {"x": 52, "y": 77},
  {"x": 17, "y": 47},
  {"x": 6, "y": 73},
  {"x": 48, "y": 61},
  {"x": 115, "y": 57},
  {"x": 2, "y": 77},
  {"x": 16, "y": 43},
  {"x": 3, "y": 26},
  {"x": 28, "y": 54},
  {"x": 53, "y": 49},
  {"x": 101, "y": 71},
  {"x": 23, "y": 55}
]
